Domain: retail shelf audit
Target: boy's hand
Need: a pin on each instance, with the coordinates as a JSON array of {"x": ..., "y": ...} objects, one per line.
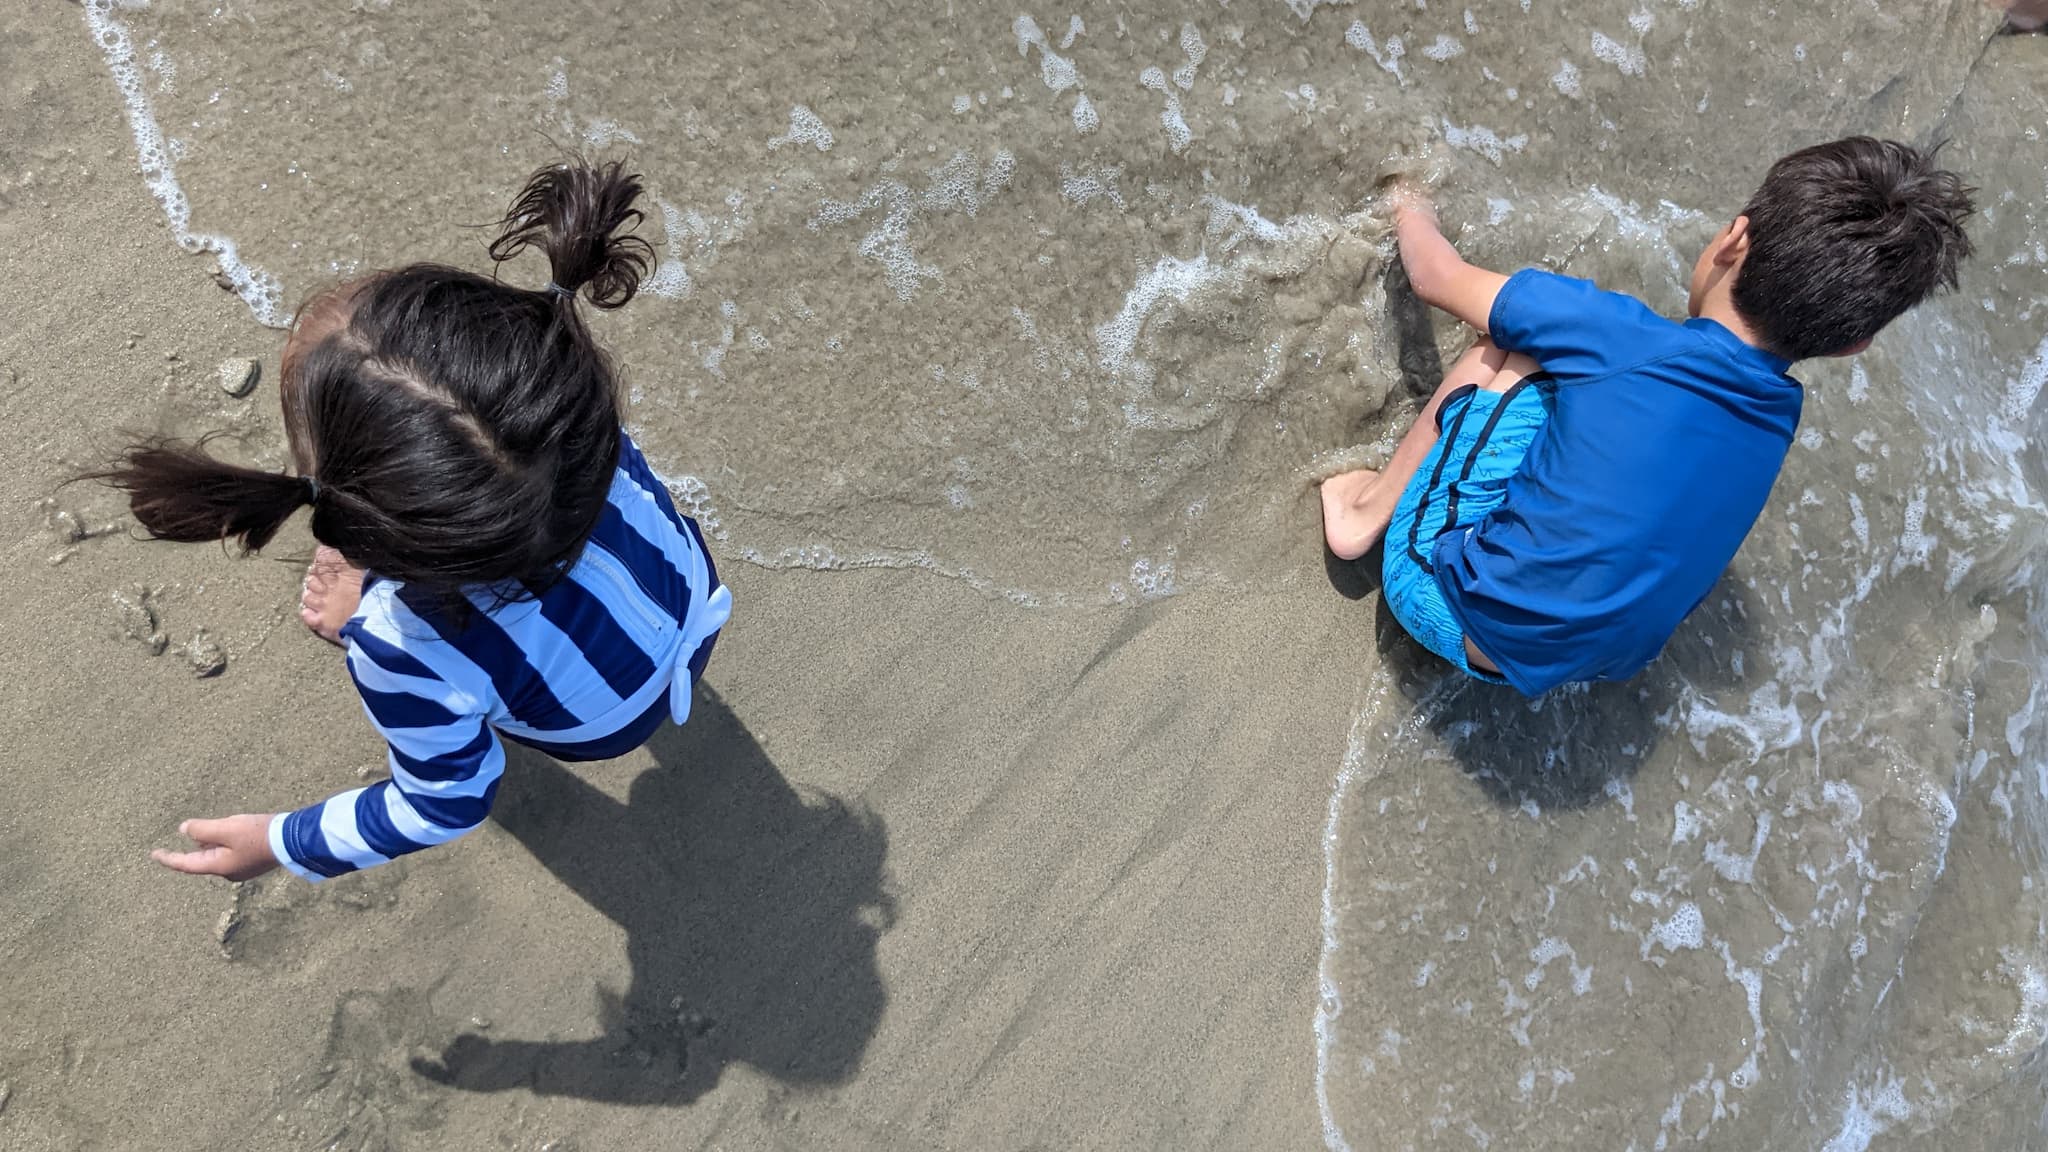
[
  {"x": 1439, "y": 276},
  {"x": 1405, "y": 196},
  {"x": 236, "y": 847}
]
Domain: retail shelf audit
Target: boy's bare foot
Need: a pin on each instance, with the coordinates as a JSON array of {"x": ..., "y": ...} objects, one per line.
[
  {"x": 1356, "y": 511},
  {"x": 330, "y": 595}
]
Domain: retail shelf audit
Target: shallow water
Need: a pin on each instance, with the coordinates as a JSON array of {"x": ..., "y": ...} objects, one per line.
[{"x": 1074, "y": 304}]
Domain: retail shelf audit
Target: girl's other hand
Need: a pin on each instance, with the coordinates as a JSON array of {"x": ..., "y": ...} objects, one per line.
[{"x": 235, "y": 847}]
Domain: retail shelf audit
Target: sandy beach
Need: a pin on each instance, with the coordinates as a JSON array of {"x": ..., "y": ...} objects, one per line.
[
  {"x": 926, "y": 869},
  {"x": 1050, "y": 788}
]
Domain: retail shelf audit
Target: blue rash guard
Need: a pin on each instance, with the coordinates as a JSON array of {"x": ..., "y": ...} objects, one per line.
[{"x": 1662, "y": 445}]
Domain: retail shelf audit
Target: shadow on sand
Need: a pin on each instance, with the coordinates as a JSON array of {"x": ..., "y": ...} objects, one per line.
[
  {"x": 1565, "y": 748},
  {"x": 751, "y": 915}
]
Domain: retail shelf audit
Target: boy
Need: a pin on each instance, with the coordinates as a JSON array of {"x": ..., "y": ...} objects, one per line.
[{"x": 1586, "y": 472}]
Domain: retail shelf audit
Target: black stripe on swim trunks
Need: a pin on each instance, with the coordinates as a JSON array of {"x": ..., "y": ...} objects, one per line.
[
  {"x": 1436, "y": 474},
  {"x": 1465, "y": 471}
]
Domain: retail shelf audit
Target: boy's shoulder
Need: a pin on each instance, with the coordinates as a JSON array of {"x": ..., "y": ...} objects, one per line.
[
  {"x": 1577, "y": 329},
  {"x": 1566, "y": 297}
]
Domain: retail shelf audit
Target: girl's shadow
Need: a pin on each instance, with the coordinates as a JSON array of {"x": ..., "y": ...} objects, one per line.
[{"x": 751, "y": 915}]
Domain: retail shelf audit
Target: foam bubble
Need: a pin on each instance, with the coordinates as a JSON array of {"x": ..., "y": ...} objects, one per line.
[
  {"x": 1770, "y": 723},
  {"x": 1622, "y": 793},
  {"x": 959, "y": 185},
  {"x": 672, "y": 279},
  {"x": 1685, "y": 930},
  {"x": 1088, "y": 184},
  {"x": 1075, "y": 30},
  {"x": 1549, "y": 949},
  {"x": 1443, "y": 48},
  {"x": 1307, "y": 8},
  {"x": 260, "y": 290},
  {"x": 604, "y": 133},
  {"x": 1483, "y": 140},
  {"x": 1058, "y": 72},
  {"x": 1567, "y": 79},
  {"x": 1622, "y": 56},
  {"x": 1149, "y": 579},
  {"x": 1387, "y": 57},
  {"x": 166, "y": 71},
  {"x": 2026, "y": 387},
  {"x": 1116, "y": 340},
  {"x": 1178, "y": 134},
  {"x": 1085, "y": 119},
  {"x": 1915, "y": 544},
  {"x": 996, "y": 177},
  {"x": 1027, "y": 32},
  {"x": 1739, "y": 869},
  {"x": 888, "y": 243},
  {"x": 804, "y": 128},
  {"x": 1868, "y": 1113},
  {"x": 2030, "y": 1022},
  {"x": 1685, "y": 823},
  {"x": 1192, "y": 45}
]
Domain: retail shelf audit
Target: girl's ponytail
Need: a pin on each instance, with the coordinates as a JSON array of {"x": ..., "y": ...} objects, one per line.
[
  {"x": 181, "y": 493},
  {"x": 581, "y": 216}
]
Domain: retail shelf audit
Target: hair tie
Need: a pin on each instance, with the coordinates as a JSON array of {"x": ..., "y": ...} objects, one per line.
[
  {"x": 554, "y": 289},
  {"x": 312, "y": 490}
]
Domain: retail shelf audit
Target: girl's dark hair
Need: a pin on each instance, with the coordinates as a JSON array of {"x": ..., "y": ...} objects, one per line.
[
  {"x": 1844, "y": 238},
  {"x": 456, "y": 433}
]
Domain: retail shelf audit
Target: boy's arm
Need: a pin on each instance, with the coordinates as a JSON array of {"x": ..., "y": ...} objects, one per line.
[{"x": 1441, "y": 278}]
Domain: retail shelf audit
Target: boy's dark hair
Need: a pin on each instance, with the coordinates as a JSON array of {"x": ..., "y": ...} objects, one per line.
[
  {"x": 456, "y": 433},
  {"x": 1844, "y": 237}
]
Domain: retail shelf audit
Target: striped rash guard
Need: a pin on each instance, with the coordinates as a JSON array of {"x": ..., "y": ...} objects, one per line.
[{"x": 597, "y": 651}]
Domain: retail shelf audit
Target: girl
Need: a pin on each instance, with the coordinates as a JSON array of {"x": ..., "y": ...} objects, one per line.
[{"x": 495, "y": 555}]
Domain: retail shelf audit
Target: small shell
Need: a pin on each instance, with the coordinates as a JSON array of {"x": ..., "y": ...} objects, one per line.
[{"x": 239, "y": 374}]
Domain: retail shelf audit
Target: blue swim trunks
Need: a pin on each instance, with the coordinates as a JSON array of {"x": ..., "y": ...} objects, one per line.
[{"x": 1484, "y": 436}]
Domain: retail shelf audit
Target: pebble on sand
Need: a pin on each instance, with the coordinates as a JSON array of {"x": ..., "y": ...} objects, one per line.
[
  {"x": 206, "y": 656},
  {"x": 239, "y": 374}
]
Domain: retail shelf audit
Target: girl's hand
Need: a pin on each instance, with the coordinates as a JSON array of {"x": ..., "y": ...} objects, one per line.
[{"x": 236, "y": 847}]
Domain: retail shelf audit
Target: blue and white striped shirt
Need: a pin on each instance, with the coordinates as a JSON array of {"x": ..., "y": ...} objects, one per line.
[{"x": 588, "y": 656}]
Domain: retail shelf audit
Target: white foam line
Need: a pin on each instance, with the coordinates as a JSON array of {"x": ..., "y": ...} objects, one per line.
[
  {"x": 260, "y": 290},
  {"x": 693, "y": 499},
  {"x": 1330, "y": 1001},
  {"x": 2025, "y": 388}
]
